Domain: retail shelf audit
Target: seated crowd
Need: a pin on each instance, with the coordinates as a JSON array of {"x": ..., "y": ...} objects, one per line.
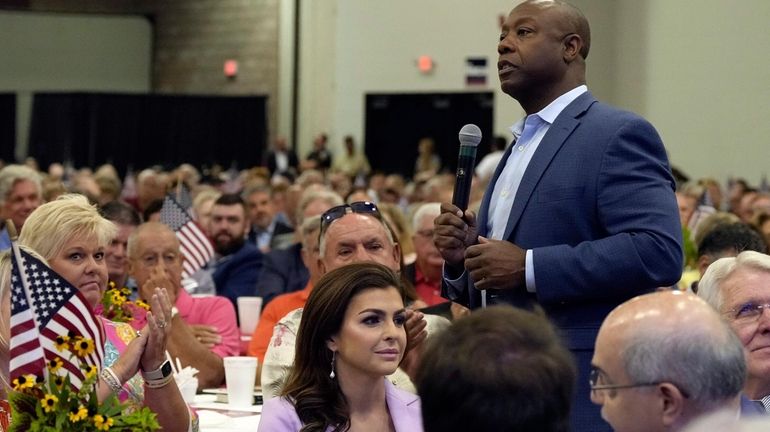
[{"x": 353, "y": 325}]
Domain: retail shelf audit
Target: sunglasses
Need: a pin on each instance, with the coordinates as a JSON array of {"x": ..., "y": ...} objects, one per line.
[{"x": 334, "y": 213}]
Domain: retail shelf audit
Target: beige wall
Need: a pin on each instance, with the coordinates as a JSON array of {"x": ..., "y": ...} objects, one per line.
[
  {"x": 376, "y": 45},
  {"x": 708, "y": 84},
  {"x": 695, "y": 68}
]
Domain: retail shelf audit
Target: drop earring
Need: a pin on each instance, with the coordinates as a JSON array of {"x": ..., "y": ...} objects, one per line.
[{"x": 332, "y": 374}]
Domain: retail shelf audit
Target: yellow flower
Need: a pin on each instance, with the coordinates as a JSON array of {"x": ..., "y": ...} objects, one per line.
[
  {"x": 62, "y": 342},
  {"x": 80, "y": 414},
  {"x": 125, "y": 291},
  {"x": 102, "y": 422},
  {"x": 117, "y": 298},
  {"x": 58, "y": 380},
  {"x": 55, "y": 364},
  {"x": 24, "y": 382},
  {"x": 49, "y": 402},
  {"x": 111, "y": 284},
  {"x": 142, "y": 304},
  {"x": 84, "y": 347},
  {"x": 90, "y": 371}
]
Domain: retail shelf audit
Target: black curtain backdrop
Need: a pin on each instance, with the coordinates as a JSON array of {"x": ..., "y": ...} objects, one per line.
[
  {"x": 137, "y": 130},
  {"x": 396, "y": 122},
  {"x": 7, "y": 126}
]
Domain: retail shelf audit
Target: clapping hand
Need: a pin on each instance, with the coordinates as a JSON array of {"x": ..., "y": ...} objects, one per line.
[{"x": 158, "y": 328}]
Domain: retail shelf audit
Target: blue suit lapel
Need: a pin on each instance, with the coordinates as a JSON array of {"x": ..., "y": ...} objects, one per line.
[{"x": 557, "y": 134}]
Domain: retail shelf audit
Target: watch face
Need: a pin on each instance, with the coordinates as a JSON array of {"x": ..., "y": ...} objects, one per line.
[{"x": 165, "y": 368}]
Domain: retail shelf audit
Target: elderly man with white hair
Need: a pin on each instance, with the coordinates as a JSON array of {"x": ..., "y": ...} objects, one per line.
[
  {"x": 429, "y": 264},
  {"x": 20, "y": 194},
  {"x": 739, "y": 289}
]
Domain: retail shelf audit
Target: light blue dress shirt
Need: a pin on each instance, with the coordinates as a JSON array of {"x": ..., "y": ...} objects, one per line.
[{"x": 528, "y": 133}]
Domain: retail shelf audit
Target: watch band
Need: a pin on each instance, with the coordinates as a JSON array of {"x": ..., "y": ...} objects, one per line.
[
  {"x": 164, "y": 371},
  {"x": 153, "y": 384}
]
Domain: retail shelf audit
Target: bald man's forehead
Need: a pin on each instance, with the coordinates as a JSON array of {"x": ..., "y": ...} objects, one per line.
[
  {"x": 353, "y": 223},
  {"x": 158, "y": 235},
  {"x": 661, "y": 310},
  {"x": 554, "y": 15}
]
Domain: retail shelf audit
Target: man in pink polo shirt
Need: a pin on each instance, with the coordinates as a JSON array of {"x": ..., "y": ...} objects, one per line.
[{"x": 155, "y": 261}]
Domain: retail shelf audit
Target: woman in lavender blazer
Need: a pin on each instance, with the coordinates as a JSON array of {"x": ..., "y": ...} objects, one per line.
[{"x": 351, "y": 336}]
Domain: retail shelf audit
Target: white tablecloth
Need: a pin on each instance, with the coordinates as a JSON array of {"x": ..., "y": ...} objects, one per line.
[{"x": 219, "y": 417}]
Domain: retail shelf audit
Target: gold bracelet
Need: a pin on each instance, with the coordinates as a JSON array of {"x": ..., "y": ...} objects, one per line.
[{"x": 111, "y": 378}]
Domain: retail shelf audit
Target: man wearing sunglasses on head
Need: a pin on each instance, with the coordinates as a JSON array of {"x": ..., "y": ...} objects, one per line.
[
  {"x": 350, "y": 233},
  {"x": 663, "y": 360},
  {"x": 739, "y": 289}
]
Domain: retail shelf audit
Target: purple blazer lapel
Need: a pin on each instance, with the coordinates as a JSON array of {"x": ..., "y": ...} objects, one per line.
[
  {"x": 404, "y": 409},
  {"x": 553, "y": 140}
]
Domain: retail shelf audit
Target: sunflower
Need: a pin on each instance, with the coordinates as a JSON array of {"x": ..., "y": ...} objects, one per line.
[
  {"x": 90, "y": 371},
  {"x": 62, "y": 342},
  {"x": 58, "y": 380},
  {"x": 84, "y": 347},
  {"x": 102, "y": 422},
  {"x": 55, "y": 364},
  {"x": 80, "y": 414},
  {"x": 49, "y": 402},
  {"x": 117, "y": 298},
  {"x": 142, "y": 304},
  {"x": 24, "y": 382}
]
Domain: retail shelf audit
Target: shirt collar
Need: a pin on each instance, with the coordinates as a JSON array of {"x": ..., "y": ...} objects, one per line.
[
  {"x": 270, "y": 228},
  {"x": 552, "y": 110}
]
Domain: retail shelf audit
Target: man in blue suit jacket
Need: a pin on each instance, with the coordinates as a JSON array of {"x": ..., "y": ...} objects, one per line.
[{"x": 580, "y": 214}]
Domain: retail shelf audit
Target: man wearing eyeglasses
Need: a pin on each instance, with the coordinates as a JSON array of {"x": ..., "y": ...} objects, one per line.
[
  {"x": 663, "y": 360},
  {"x": 739, "y": 289},
  {"x": 429, "y": 263},
  {"x": 203, "y": 330}
]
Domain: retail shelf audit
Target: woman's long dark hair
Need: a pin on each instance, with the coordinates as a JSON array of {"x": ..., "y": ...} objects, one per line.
[{"x": 318, "y": 400}]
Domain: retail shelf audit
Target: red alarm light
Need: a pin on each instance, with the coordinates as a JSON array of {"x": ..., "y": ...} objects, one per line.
[
  {"x": 425, "y": 64},
  {"x": 231, "y": 68}
]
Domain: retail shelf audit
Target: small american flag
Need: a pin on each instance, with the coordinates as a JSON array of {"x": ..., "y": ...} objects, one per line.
[
  {"x": 194, "y": 244},
  {"x": 183, "y": 196},
  {"x": 44, "y": 306}
]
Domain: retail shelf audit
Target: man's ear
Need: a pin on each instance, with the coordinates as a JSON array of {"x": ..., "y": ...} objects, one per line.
[
  {"x": 321, "y": 266},
  {"x": 673, "y": 402},
  {"x": 573, "y": 43},
  {"x": 703, "y": 263},
  {"x": 397, "y": 254}
]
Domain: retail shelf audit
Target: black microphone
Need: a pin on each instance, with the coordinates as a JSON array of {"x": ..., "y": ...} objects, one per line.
[{"x": 470, "y": 137}]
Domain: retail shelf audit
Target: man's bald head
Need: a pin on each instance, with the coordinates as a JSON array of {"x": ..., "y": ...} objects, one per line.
[
  {"x": 151, "y": 229},
  {"x": 570, "y": 20},
  {"x": 153, "y": 248},
  {"x": 676, "y": 347}
]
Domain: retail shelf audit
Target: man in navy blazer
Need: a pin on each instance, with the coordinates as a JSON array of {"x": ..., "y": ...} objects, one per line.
[{"x": 580, "y": 214}]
